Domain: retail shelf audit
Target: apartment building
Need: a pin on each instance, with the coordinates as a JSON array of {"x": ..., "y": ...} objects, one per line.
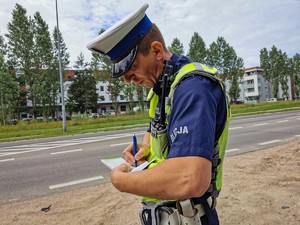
[
  {"x": 105, "y": 99},
  {"x": 255, "y": 88}
]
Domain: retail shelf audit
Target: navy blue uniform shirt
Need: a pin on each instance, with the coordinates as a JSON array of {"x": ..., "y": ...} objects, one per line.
[{"x": 197, "y": 118}]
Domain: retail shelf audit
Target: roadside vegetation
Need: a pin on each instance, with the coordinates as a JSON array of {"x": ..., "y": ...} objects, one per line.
[
  {"x": 40, "y": 129},
  {"x": 259, "y": 108}
]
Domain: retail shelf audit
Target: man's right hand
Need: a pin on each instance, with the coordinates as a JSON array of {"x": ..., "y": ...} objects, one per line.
[{"x": 141, "y": 155}]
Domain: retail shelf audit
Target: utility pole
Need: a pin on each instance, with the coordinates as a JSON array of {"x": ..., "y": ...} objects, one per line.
[{"x": 63, "y": 108}]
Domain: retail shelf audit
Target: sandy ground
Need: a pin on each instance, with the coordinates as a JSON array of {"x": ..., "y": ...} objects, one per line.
[{"x": 261, "y": 187}]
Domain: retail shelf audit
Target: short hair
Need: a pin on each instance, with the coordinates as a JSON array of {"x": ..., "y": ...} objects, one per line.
[{"x": 153, "y": 34}]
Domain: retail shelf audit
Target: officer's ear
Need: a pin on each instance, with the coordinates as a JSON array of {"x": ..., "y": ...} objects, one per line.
[{"x": 157, "y": 49}]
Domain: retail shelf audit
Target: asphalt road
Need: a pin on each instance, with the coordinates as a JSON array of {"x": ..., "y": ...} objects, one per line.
[{"x": 44, "y": 166}]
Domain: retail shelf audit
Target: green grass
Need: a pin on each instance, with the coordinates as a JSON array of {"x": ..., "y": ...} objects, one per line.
[
  {"x": 24, "y": 130},
  {"x": 248, "y": 109}
]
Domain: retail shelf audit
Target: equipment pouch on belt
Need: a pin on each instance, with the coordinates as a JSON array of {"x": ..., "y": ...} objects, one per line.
[
  {"x": 185, "y": 213},
  {"x": 188, "y": 213}
]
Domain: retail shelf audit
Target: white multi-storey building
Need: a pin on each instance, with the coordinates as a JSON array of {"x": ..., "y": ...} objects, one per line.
[
  {"x": 104, "y": 98},
  {"x": 255, "y": 88}
]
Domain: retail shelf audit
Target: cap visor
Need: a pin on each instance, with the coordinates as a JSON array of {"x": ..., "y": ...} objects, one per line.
[{"x": 121, "y": 67}]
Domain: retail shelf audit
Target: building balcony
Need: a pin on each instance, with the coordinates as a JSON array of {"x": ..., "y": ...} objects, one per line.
[
  {"x": 251, "y": 94},
  {"x": 246, "y": 86}
]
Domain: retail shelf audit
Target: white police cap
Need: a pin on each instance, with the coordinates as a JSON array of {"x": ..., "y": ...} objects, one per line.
[{"x": 120, "y": 41}]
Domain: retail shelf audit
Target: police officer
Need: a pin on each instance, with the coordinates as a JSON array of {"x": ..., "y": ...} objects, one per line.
[{"x": 176, "y": 186}]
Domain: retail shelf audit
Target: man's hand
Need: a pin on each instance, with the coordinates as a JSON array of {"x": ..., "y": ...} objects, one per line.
[{"x": 141, "y": 155}]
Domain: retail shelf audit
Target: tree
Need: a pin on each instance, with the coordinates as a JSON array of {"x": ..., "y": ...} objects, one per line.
[
  {"x": 55, "y": 63},
  {"x": 294, "y": 71},
  {"x": 82, "y": 93},
  {"x": 237, "y": 73},
  {"x": 44, "y": 87},
  {"x": 129, "y": 91},
  {"x": 80, "y": 62},
  {"x": 141, "y": 98},
  {"x": 197, "y": 51},
  {"x": 101, "y": 70},
  {"x": 275, "y": 66},
  {"x": 234, "y": 90},
  {"x": 222, "y": 56},
  {"x": 20, "y": 49},
  {"x": 282, "y": 64},
  {"x": 8, "y": 87},
  {"x": 176, "y": 47},
  {"x": 100, "y": 65},
  {"x": 20, "y": 39},
  {"x": 42, "y": 43},
  {"x": 115, "y": 87},
  {"x": 63, "y": 50}
]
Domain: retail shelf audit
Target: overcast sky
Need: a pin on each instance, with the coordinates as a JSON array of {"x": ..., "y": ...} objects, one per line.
[{"x": 247, "y": 26}]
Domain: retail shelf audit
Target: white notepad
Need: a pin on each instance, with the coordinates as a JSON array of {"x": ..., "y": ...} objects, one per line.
[{"x": 114, "y": 162}]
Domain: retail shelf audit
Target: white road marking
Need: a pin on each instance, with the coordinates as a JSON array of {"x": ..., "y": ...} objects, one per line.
[
  {"x": 259, "y": 124},
  {"x": 6, "y": 160},
  {"x": 234, "y": 128},
  {"x": 63, "y": 152},
  {"x": 232, "y": 150},
  {"x": 298, "y": 135},
  {"x": 269, "y": 142},
  {"x": 14, "y": 150},
  {"x": 298, "y": 118},
  {"x": 282, "y": 121},
  {"x": 75, "y": 182},
  {"x": 127, "y": 143}
]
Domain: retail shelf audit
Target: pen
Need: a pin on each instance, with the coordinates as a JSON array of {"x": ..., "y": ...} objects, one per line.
[{"x": 134, "y": 148}]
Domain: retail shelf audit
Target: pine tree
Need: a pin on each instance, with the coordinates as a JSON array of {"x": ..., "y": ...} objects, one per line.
[
  {"x": 63, "y": 50},
  {"x": 176, "y": 47},
  {"x": 82, "y": 93},
  {"x": 100, "y": 65},
  {"x": 198, "y": 51}
]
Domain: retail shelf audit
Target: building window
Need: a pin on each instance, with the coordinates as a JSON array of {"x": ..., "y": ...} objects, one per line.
[
  {"x": 103, "y": 109},
  {"x": 102, "y": 98},
  {"x": 122, "y": 97},
  {"x": 101, "y": 88},
  {"x": 123, "y": 108}
]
